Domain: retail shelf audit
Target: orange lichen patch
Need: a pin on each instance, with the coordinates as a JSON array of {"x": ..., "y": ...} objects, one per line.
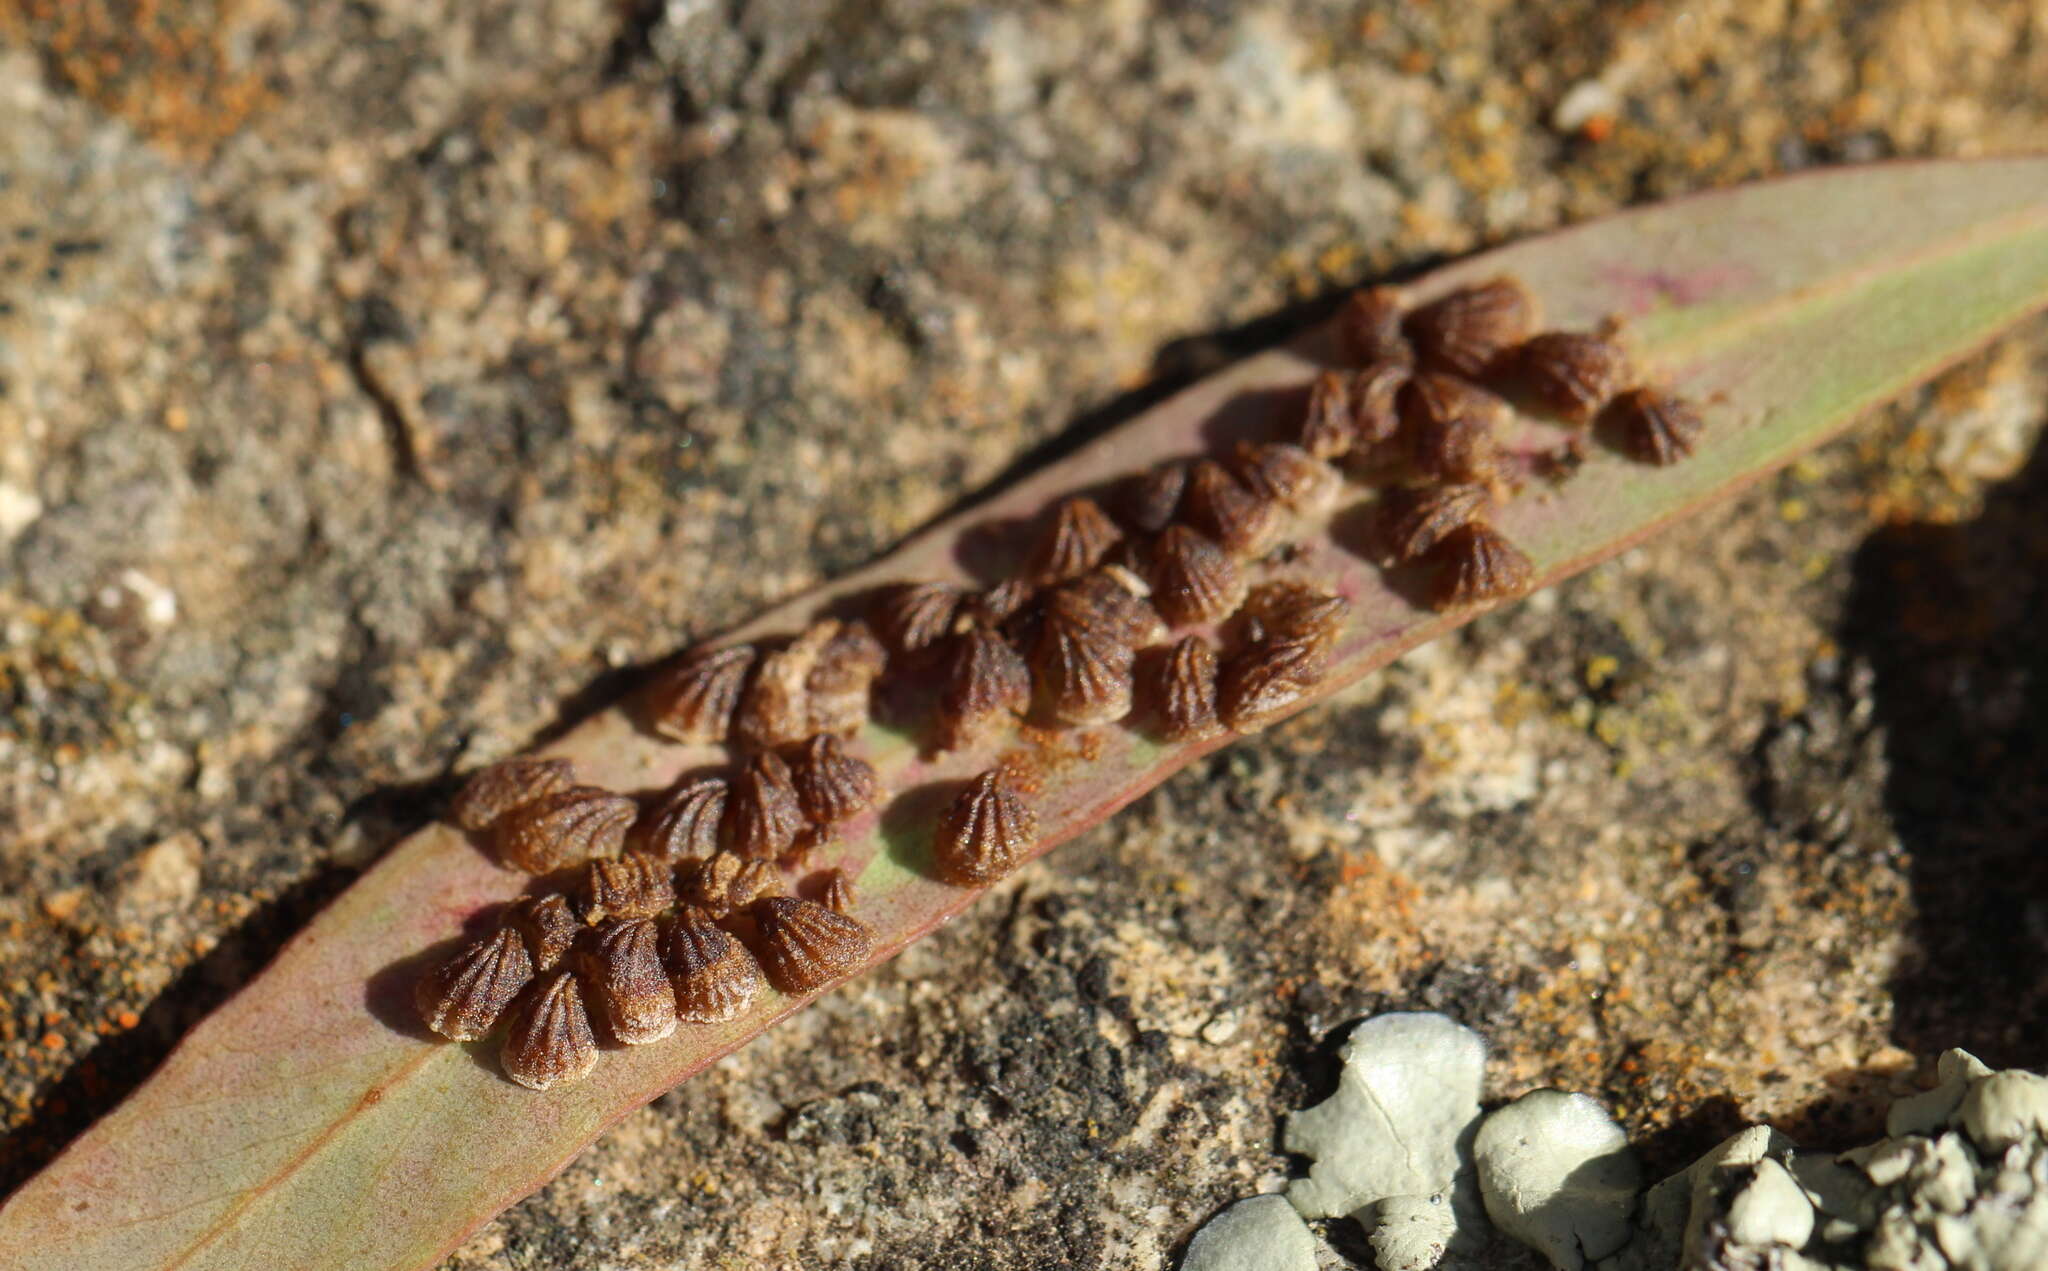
[
  {"x": 620, "y": 128},
  {"x": 1685, "y": 1060},
  {"x": 60, "y": 906},
  {"x": 164, "y": 68},
  {"x": 1371, "y": 915},
  {"x": 1048, "y": 751},
  {"x": 1023, "y": 771}
]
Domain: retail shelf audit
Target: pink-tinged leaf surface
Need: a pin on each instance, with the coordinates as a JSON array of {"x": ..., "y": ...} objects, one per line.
[{"x": 310, "y": 1124}]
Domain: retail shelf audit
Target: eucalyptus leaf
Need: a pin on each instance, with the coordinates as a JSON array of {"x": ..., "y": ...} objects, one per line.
[{"x": 310, "y": 1123}]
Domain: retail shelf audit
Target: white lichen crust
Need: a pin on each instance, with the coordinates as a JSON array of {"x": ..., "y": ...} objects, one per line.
[
  {"x": 1409, "y": 1092},
  {"x": 1557, "y": 1174},
  {"x": 1401, "y": 1148},
  {"x": 1961, "y": 1184},
  {"x": 1263, "y": 1233}
]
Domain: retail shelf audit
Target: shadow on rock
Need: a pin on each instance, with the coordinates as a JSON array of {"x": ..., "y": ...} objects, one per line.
[{"x": 1953, "y": 619}]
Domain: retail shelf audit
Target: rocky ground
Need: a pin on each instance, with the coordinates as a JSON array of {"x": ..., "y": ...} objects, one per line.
[{"x": 381, "y": 382}]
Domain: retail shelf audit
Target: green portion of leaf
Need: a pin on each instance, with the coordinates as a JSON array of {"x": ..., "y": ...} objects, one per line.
[{"x": 307, "y": 1124}]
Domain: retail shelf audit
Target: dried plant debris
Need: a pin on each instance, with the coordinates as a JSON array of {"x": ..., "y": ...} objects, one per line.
[
  {"x": 1294, "y": 610},
  {"x": 1411, "y": 520},
  {"x": 1369, "y": 327},
  {"x": 1432, "y": 401},
  {"x": 806, "y": 947},
  {"x": 632, "y": 886},
  {"x": 462, "y": 998},
  {"x": 1328, "y": 431},
  {"x": 1259, "y": 682},
  {"x": 986, "y": 832},
  {"x": 506, "y": 785},
  {"x": 832, "y": 786},
  {"x": 776, "y": 708},
  {"x": 837, "y": 691},
  {"x": 838, "y": 894},
  {"x": 1571, "y": 374},
  {"x": 1147, "y": 501},
  {"x": 987, "y": 686},
  {"x": 565, "y": 828},
  {"x": 712, "y": 974},
  {"x": 549, "y": 1041},
  {"x": 1082, "y": 671},
  {"x": 1459, "y": 451},
  {"x": 729, "y": 882},
  {"x": 1193, "y": 579},
  {"x": 1072, "y": 640},
  {"x": 686, "y": 823},
  {"x": 911, "y": 617},
  {"x": 628, "y": 983},
  {"x": 1477, "y": 565},
  {"x": 694, "y": 700},
  {"x": 1288, "y": 475},
  {"x": 1113, "y": 600},
  {"x": 1220, "y": 506},
  {"x": 1181, "y": 687},
  {"x": 1466, "y": 331},
  {"x": 1653, "y": 426},
  {"x": 547, "y": 925},
  {"x": 762, "y": 815},
  {"x": 1076, "y": 538}
]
